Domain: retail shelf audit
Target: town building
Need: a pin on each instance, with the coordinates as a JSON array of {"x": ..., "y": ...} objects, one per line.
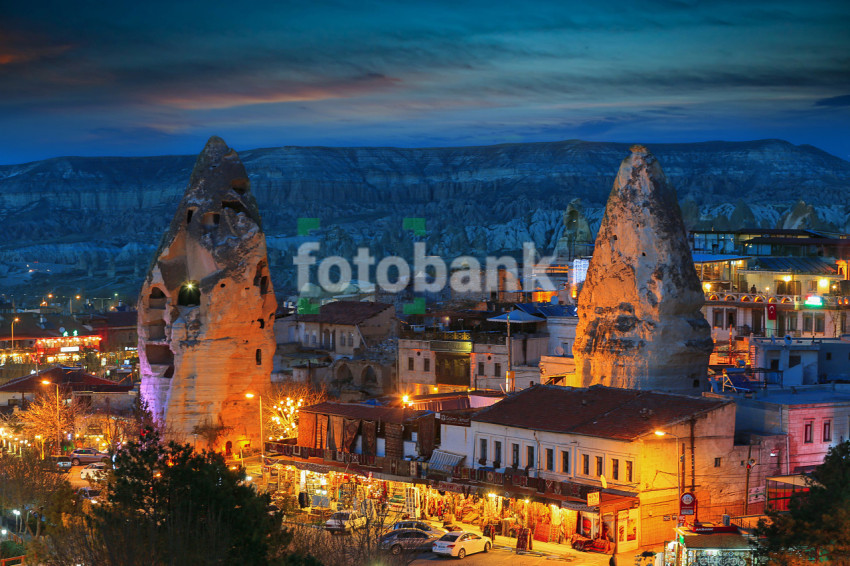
[
  {"x": 346, "y": 345},
  {"x": 569, "y": 442},
  {"x": 810, "y": 421}
]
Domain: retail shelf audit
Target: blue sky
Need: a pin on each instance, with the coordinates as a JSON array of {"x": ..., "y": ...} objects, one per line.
[{"x": 150, "y": 78}]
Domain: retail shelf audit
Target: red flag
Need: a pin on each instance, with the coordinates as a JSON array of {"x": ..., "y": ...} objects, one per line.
[{"x": 771, "y": 312}]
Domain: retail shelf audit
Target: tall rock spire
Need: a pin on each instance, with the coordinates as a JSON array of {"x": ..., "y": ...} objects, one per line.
[
  {"x": 206, "y": 308},
  {"x": 640, "y": 324}
]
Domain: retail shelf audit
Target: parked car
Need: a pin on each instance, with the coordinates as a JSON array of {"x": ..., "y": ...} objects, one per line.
[
  {"x": 61, "y": 463},
  {"x": 89, "y": 493},
  {"x": 461, "y": 543},
  {"x": 96, "y": 471},
  {"x": 420, "y": 525},
  {"x": 343, "y": 521},
  {"x": 87, "y": 456},
  {"x": 407, "y": 540}
]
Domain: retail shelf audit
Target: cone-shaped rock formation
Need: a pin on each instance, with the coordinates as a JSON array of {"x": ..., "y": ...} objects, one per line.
[
  {"x": 640, "y": 324},
  {"x": 206, "y": 310}
]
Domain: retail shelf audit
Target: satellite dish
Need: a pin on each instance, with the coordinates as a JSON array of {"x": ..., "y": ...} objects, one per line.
[
  {"x": 559, "y": 350},
  {"x": 61, "y": 330}
]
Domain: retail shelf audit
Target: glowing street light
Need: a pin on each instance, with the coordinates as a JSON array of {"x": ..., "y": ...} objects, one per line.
[
  {"x": 262, "y": 440},
  {"x": 14, "y": 320}
]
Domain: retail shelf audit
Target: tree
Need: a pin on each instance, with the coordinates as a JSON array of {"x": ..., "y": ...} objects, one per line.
[
  {"x": 168, "y": 505},
  {"x": 281, "y": 405},
  {"x": 50, "y": 416},
  {"x": 817, "y": 525},
  {"x": 34, "y": 488}
]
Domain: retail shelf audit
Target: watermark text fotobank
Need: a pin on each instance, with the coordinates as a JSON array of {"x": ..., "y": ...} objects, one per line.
[{"x": 429, "y": 273}]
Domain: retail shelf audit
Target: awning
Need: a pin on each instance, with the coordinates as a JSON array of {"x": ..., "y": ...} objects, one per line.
[
  {"x": 516, "y": 316},
  {"x": 443, "y": 461},
  {"x": 578, "y": 506}
]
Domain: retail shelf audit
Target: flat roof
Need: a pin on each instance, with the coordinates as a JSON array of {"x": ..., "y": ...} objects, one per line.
[{"x": 804, "y": 396}]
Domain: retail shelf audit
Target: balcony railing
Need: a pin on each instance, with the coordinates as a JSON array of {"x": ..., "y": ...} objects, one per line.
[{"x": 827, "y": 301}]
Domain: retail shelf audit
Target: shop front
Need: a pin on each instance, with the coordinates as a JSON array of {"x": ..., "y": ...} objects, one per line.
[{"x": 708, "y": 546}]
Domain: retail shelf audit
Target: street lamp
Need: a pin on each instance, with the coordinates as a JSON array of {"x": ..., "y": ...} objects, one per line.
[
  {"x": 262, "y": 442},
  {"x": 678, "y": 460},
  {"x": 70, "y": 306},
  {"x": 58, "y": 420},
  {"x": 14, "y": 320}
]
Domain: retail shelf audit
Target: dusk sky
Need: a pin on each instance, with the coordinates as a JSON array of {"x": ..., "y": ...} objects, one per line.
[{"x": 153, "y": 78}]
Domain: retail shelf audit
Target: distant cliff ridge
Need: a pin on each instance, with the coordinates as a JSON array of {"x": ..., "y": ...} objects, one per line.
[{"x": 103, "y": 216}]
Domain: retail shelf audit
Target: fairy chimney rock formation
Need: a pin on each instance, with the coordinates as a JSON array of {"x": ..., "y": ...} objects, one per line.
[
  {"x": 206, "y": 310},
  {"x": 640, "y": 324}
]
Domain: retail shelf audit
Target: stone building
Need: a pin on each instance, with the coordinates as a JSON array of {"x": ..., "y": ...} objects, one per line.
[{"x": 206, "y": 308}]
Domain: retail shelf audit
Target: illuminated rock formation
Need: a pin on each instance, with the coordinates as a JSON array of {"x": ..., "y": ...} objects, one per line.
[
  {"x": 206, "y": 309},
  {"x": 640, "y": 324}
]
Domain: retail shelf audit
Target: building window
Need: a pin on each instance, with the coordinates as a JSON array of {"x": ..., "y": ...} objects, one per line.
[
  {"x": 565, "y": 462},
  {"x": 427, "y": 364},
  {"x": 827, "y": 431},
  {"x": 497, "y": 369},
  {"x": 351, "y": 339},
  {"x": 791, "y": 321},
  {"x": 497, "y": 452},
  {"x": 585, "y": 464},
  {"x": 599, "y": 466},
  {"x": 515, "y": 455},
  {"x": 529, "y": 453},
  {"x": 550, "y": 459},
  {"x": 615, "y": 469},
  {"x": 480, "y": 368},
  {"x": 342, "y": 338},
  {"x": 483, "y": 453},
  {"x": 807, "y": 432},
  {"x": 258, "y": 356},
  {"x": 718, "y": 318},
  {"x": 629, "y": 471},
  {"x": 828, "y": 356},
  {"x": 807, "y": 322},
  {"x": 717, "y": 462},
  {"x": 410, "y": 364},
  {"x": 820, "y": 322}
]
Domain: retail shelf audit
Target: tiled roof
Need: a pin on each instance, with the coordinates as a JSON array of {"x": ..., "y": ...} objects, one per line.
[
  {"x": 606, "y": 412},
  {"x": 75, "y": 379},
  {"x": 346, "y": 312},
  {"x": 364, "y": 412}
]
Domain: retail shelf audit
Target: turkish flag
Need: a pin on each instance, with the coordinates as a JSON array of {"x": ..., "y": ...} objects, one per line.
[{"x": 771, "y": 312}]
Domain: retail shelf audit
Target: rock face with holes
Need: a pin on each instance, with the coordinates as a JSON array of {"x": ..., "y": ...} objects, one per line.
[
  {"x": 206, "y": 310},
  {"x": 640, "y": 324}
]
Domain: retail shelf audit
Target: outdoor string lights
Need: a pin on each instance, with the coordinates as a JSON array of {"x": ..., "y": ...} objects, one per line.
[{"x": 284, "y": 418}]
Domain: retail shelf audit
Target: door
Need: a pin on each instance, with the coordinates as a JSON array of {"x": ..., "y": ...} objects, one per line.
[{"x": 758, "y": 316}]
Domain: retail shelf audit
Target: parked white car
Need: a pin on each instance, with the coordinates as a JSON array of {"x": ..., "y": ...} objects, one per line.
[
  {"x": 461, "y": 543},
  {"x": 93, "y": 472},
  {"x": 343, "y": 521}
]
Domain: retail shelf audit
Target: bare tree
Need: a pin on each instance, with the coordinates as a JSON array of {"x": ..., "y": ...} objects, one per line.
[
  {"x": 210, "y": 432},
  {"x": 51, "y": 417}
]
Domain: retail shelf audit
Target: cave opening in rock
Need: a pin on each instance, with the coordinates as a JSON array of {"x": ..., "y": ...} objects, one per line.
[{"x": 189, "y": 295}]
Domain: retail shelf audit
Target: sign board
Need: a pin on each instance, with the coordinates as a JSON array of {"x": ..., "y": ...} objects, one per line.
[
  {"x": 454, "y": 420},
  {"x": 593, "y": 499},
  {"x": 710, "y": 530},
  {"x": 687, "y": 504},
  {"x": 69, "y": 349},
  {"x": 755, "y": 494}
]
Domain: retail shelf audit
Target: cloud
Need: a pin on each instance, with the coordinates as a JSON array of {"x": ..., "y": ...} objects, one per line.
[{"x": 834, "y": 101}]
